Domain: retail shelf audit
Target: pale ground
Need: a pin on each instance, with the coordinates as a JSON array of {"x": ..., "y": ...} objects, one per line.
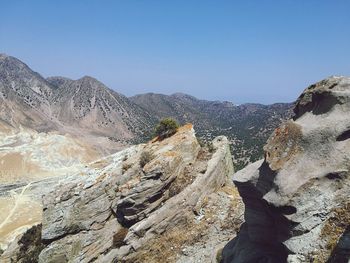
[
  {"x": 19, "y": 212},
  {"x": 29, "y": 162}
]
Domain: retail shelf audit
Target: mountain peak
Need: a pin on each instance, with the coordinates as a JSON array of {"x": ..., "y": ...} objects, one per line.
[
  {"x": 89, "y": 78},
  {"x": 3, "y": 55}
]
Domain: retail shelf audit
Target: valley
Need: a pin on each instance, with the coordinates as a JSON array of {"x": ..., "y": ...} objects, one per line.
[{"x": 83, "y": 178}]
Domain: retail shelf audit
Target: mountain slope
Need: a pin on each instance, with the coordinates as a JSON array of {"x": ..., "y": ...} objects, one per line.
[
  {"x": 84, "y": 108},
  {"x": 89, "y": 104},
  {"x": 87, "y": 109},
  {"x": 247, "y": 125},
  {"x": 24, "y": 96}
]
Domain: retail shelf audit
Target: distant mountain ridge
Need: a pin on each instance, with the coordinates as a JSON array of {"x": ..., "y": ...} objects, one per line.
[
  {"x": 88, "y": 109},
  {"x": 246, "y": 125},
  {"x": 84, "y": 107}
]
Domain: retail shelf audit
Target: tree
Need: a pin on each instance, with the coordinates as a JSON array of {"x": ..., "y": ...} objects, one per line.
[{"x": 166, "y": 128}]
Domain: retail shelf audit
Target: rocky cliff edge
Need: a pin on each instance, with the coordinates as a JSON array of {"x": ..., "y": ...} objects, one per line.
[{"x": 296, "y": 199}]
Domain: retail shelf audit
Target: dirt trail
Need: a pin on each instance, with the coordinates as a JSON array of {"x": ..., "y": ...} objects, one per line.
[{"x": 17, "y": 201}]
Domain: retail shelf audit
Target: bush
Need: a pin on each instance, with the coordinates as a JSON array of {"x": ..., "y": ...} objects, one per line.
[
  {"x": 30, "y": 245},
  {"x": 145, "y": 158},
  {"x": 166, "y": 128}
]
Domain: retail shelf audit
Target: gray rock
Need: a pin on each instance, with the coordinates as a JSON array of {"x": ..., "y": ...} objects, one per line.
[
  {"x": 117, "y": 212},
  {"x": 296, "y": 200}
]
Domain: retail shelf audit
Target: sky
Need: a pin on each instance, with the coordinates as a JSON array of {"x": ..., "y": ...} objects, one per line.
[{"x": 241, "y": 51}]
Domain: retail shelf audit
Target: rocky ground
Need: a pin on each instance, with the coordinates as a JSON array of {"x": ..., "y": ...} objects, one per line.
[
  {"x": 219, "y": 220},
  {"x": 30, "y": 164},
  {"x": 132, "y": 205},
  {"x": 170, "y": 200}
]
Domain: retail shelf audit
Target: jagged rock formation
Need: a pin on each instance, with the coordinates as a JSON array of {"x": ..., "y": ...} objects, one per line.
[
  {"x": 296, "y": 199},
  {"x": 124, "y": 209}
]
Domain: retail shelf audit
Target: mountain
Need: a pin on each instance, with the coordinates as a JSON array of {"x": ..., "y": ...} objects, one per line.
[
  {"x": 24, "y": 96},
  {"x": 247, "y": 126},
  {"x": 88, "y": 104},
  {"x": 84, "y": 108},
  {"x": 172, "y": 200},
  {"x": 87, "y": 109}
]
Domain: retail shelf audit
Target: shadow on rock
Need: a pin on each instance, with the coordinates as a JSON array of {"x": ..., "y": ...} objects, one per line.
[
  {"x": 260, "y": 237},
  {"x": 341, "y": 253}
]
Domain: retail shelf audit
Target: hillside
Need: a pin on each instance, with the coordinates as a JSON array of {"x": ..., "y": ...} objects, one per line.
[
  {"x": 247, "y": 126},
  {"x": 84, "y": 108},
  {"x": 89, "y": 110},
  {"x": 172, "y": 200},
  {"x": 24, "y": 96}
]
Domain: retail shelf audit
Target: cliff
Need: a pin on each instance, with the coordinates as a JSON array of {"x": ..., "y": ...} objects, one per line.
[
  {"x": 147, "y": 203},
  {"x": 296, "y": 199}
]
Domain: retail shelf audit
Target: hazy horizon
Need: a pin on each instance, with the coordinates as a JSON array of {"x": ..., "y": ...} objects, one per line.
[{"x": 230, "y": 51}]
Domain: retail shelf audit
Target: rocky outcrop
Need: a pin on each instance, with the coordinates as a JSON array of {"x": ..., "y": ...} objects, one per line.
[
  {"x": 118, "y": 209},
  {"x": 26, "y": 247},
  {"x": 296, "y": 199}
]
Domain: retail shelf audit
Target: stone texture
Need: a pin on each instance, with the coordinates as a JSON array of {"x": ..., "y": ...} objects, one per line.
[
  {"x": 296, "y": 199},
  {"x": 119, "y": 209}
]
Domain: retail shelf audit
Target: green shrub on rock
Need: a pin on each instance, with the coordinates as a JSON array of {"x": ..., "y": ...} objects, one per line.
[{"x": 166, "y": 128}]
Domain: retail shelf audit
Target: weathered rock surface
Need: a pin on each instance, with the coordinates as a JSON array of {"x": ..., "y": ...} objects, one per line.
[
  {"x": 31, "y": 162},
  {"x": 296, "y": 199},
  {"x": 119, "y": 211}
]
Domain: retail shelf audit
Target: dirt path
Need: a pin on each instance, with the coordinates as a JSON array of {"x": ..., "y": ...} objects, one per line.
[{"x": 17, "y": 201}]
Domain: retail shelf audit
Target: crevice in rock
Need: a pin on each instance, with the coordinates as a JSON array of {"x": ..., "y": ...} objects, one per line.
[
  {"x": 73, "y": 230},
  {"x": 285, "y": 210},
  {"x": 344, "y": 136},
  {"x": 266, "y": 177},
  {"x": 332, "y": 176},
  {"x": 341, "y": 253},
  {"x": 320, "y": 103},
  {"x": 130, "y": 207},
  {"x": 265, "y": 228}
]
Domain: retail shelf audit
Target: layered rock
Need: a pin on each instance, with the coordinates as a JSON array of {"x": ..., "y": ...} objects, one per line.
[
  {"x": 296, "y": 199},
  {"x": 122, "y": 207}
]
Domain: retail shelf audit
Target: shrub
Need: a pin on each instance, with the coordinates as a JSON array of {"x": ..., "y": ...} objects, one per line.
[
  {"x": 166, "y": 128},
  {"x": 211, "y": 148},
  {"x": 145, "y": 158},
  {"x": 126, "y": 166},
  {"x": 30, "y": 245}
]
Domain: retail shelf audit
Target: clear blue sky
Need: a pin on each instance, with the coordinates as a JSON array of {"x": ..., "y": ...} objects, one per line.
[{"x": 241, "y": 51}]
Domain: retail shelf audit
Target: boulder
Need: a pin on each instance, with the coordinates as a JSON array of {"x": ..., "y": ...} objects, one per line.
[
  {"x": 296, "y": 199},
  {"x": 123, "y": 206}
]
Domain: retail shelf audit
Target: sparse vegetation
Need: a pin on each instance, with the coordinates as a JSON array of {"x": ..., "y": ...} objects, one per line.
[
  {"x": 166, "y": 128},
  {"x": 118, "y": 238},
  {"x": 126, "y": 166},
  {"x": 145, "y": 158},
  {"x": 210, "y": 147},
  {"x": 30, "y": 245}
]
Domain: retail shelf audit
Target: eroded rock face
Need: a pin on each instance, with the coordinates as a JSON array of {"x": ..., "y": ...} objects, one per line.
[
  {"x": 117, "y": 210},
  {"x": 296, "y": 199}
]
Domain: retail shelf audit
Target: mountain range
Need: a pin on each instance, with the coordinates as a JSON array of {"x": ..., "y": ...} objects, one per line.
[{"x": 107, "y": 120}]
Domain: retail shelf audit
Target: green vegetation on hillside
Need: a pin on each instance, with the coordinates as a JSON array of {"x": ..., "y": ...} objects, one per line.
[{"x": 166, "y": 128}]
